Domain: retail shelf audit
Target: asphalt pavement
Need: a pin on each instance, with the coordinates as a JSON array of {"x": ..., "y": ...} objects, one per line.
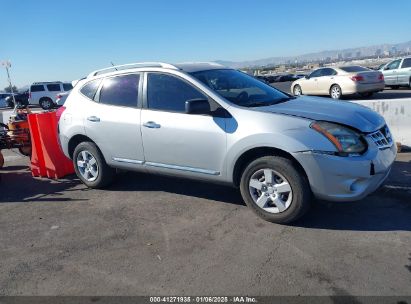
[{"x": 152, "y": 235}]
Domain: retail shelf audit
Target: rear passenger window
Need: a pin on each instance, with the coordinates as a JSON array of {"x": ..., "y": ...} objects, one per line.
[
  {"x": 37, "y": 88},
  {"x": 67, "y": 86},
  {"x": 120, "y": 91},
  {"x": 406, "y": 63},
  {"x": 90, "y": 88},
  {"x": 169, "y": 93},
  {"x": 55, "y": 87}
]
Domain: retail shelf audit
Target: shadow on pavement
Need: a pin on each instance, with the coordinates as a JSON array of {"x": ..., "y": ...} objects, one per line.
[
  {"x": 388, "y": 209},
  {"x": 131, "y": 181},
  {"x": 18, "y": 186}
]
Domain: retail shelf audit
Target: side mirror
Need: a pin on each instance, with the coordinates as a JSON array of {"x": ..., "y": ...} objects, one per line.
[
  {"x": 198, "y": 106},
  {"x": 307, "y": 76}
]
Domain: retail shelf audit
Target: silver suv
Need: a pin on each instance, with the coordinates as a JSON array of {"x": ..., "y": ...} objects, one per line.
[{"x": 208, "y": 122}]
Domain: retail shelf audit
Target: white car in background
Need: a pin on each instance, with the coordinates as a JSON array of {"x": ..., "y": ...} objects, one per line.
[
  {"x": 44, "y": 93},
  {"x": 336, "y": 82},
  {"x": 61, "y": 98}
]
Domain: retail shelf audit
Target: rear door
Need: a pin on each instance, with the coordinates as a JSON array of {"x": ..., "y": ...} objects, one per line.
[
  {"x": 391, "y": 72},
  {"x": 53, "y": 89},
  {"x": 404, "y": 73},
  {"x": 112, "y": 120}
]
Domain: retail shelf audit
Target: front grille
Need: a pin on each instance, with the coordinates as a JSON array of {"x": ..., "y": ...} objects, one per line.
[{"x": 382, "y": 138}]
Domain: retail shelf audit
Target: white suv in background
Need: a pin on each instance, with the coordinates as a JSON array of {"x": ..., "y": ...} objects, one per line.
[{"x": 44, "y": 93}]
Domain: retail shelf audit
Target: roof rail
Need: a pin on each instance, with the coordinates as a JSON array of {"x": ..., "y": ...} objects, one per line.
[
  {"x": 133, "y": 65},
  {"x": 45, "y": 82}
]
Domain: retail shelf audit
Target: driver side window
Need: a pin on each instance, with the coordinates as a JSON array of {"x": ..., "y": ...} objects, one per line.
[
  {"x": 169, "y": 93},
  {"x": 316, "y": 73},
  {"x": 393, "y": 65}
]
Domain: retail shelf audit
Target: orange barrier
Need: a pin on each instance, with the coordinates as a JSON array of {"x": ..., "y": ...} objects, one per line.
[{"x": 47, "y": 159}]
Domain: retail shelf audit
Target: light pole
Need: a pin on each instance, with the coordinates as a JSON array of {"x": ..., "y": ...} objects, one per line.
[{"x": 7, "y": 65}]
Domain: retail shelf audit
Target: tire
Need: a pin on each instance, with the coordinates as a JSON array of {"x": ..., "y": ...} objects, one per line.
[
  {"x": 99, "y": 174},
  {"x": 335, "y": 92},
  {"x": 293, "y": 203},
  {"x": 26, "y": 151},
  {"x": 297, "y": 90},
  {"x": 46, "y": 103},
  {"x": 394, "y": 87},
  {"x": 368, "y": 94}
]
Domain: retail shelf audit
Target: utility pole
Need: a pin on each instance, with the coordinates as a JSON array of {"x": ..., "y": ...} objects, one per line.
[{"x": 7, "y": 65}]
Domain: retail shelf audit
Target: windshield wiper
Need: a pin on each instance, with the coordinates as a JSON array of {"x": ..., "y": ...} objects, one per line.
[{"x": 268, "y": 103}]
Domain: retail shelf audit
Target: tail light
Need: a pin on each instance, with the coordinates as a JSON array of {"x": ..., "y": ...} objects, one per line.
[
  {"x": 59, "y": 112},
  {"x": 381, "y": 77},
  {"x": 357, "y": 78}
]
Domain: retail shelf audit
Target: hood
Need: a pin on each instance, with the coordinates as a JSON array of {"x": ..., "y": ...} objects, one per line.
[{"x": 318, "y": 108}]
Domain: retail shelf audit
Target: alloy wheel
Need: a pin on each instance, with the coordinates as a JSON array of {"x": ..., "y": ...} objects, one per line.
[
  {"x": 297, "y": 90},
  {"x": 87, "y": 166},
  {"x": 270, "y": 191},
  {"x": 335, "y": 92}
]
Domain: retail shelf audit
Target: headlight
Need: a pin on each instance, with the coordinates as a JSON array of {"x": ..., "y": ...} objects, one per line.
[{"x": 346, "y": 140}]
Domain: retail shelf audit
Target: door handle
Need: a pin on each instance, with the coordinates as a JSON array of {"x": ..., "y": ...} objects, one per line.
[
  {"x": 93, "y": 118},
  {"x": 151, "y": 125}
]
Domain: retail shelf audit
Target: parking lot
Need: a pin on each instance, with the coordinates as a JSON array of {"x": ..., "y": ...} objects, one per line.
[
  {"x": 150, "y": 235},
  {"x": 386, "y": 94}
]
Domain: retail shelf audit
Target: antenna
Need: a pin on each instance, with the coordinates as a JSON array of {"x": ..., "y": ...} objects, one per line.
[{"x": 113, "y": 65}]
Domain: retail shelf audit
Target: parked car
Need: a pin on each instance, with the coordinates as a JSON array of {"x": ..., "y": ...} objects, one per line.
[
  {"x": 22, "y": 99},
  {"x": 61, "y": 98},
  {"x": 44, "y": 93},
  {"x": 284, "y": 78},
  {"x": 337, "y": 82},
  {"x": 262, "y": 78},
  {"x": 397, "y": 73},
  {"x": 194, "y": 121},
  {"x": 3, "y": 102}
]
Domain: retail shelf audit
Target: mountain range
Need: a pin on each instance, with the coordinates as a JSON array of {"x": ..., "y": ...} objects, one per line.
[{"x": 365, "y": 51}]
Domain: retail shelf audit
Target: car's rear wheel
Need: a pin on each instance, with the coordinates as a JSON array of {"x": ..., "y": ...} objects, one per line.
[
  {"x": 335, "y": 92},
  {"x": 394, "y": 87},
  {"x": 90, "y": 166},
  {"x": 275, "y": 189},
  {"x": 297, "y": 90},
  {"x": 46, "y": 103}
]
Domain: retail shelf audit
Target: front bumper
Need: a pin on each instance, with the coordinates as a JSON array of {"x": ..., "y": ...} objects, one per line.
[{"x": 336, "y": 178}]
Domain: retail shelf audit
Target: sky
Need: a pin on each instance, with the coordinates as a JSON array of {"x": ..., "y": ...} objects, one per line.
[{"x": 49, "y": 40}]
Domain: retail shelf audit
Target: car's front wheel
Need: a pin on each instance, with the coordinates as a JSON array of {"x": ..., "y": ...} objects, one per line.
[
  {"x": 275, "y": 189},
  {"x": 90, "y": 166},
  {"x": 297, "y": 90}
]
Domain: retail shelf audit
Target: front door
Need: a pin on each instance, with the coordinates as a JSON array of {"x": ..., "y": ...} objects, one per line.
[
  {"x": 310, "y": 85},
  {"x": 391, "y": 72},
  {"x": 177, "y": 142},
  {"x": 404, "y": 73}
]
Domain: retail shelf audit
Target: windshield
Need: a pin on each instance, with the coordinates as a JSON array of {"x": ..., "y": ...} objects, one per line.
[{"x": 240, "y": 88}]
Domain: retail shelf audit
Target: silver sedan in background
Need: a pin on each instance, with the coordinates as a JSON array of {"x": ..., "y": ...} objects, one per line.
[{"x": 336, "y": 82}]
